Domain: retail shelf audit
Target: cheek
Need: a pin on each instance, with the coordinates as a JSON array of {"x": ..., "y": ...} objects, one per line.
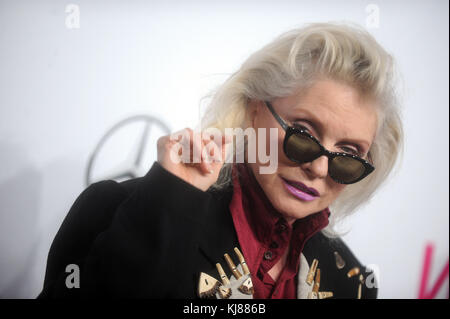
[
  {"x": 280, "y": 141},
  {"x": 334, "y": 189},
  {"x": 268, "y": 182},
  {"x": 268, "y": 149}
]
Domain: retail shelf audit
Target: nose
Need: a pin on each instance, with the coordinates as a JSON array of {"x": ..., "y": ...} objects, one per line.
[{"x": 318, "y": 168}]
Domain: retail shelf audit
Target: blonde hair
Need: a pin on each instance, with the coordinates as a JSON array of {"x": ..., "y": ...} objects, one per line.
[{"x": 293, "y": 61}]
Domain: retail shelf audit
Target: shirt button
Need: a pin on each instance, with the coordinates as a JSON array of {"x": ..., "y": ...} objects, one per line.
[
  {"x": 282, "y": 228},
  {"x": 274, "y": 245},
  {"x": 268, "y": 255},
  {"x": 275, "y": 294}
]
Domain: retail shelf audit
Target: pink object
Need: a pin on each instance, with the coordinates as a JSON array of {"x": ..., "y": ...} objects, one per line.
[
  {"x": 423, "y": 293},
  {"x": 303, "y": 187},
  {"x": 299, "y": 193}
]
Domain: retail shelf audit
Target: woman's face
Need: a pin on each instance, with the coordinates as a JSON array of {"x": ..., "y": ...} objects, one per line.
[{"x": 339, "y": 117}]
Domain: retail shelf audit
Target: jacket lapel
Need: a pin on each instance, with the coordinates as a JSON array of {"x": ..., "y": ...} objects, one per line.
[
  {"x": 217, "y": 239},
  {"x": 303, "y": 289}
]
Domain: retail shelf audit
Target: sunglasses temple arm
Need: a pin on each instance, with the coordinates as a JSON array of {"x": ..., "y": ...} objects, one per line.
[{"x": 277, "y": 117}]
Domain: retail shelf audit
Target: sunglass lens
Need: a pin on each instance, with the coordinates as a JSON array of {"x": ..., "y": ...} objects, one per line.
[
  {"x": 301, "y": 148},
  {"x": 346, "y": 169}
]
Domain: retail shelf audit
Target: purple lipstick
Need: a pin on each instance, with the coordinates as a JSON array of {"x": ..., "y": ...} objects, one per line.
[{"x": 300, "y": 190}]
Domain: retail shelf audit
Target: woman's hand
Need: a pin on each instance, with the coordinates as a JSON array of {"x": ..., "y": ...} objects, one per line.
[{"x": 176, "y": 154}]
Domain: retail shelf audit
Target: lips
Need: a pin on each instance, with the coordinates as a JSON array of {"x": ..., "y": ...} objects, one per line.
[{"x": 302, "y": 187}]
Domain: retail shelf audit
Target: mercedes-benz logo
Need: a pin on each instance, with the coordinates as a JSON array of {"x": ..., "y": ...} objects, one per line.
[{"x": 126, "y": 150}]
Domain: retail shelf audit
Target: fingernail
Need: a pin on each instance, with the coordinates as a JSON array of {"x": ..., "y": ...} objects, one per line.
[{"x": 210, "y": 171}]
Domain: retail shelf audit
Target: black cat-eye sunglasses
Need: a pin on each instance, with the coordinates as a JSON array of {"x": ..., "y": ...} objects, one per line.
[{"x": 301, "y": 147}]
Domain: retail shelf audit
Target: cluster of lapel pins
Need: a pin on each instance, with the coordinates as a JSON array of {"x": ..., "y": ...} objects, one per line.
[
  {"x": 209, "y": 286},
  {"x": 355, "y": 271},
  {"x": 313, "y": 278}
]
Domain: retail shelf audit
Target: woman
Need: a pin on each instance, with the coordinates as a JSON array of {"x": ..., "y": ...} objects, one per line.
[{"x": 232, "y": 230}]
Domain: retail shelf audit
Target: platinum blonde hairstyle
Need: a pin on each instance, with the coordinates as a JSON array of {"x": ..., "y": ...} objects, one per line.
[{"x": 293, "y": 61}]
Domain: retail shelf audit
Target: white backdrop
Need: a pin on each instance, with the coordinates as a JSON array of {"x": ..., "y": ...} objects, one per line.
[{"x": 71, "y": 70}]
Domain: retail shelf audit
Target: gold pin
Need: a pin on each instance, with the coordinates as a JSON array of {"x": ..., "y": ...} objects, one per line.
[
  {"x": 340, "y": 262},
  {"x": 312, "y": 272},
  {"x": 232, "y": 266},
  {"x": 247, "y": 287},
  {"x": 353, "y": 272},
  {"x": 242, "y": 261},
  {"x": 325, "y": 294},
  {"x": 207, "y": 286},
  {"x": 361, "y": 282},
  {"x": 222, "y": 274},
  {"x": 224, "y": 293},
  {"x": 313, "y": 295},
  {"x": 317, "y": 281}
]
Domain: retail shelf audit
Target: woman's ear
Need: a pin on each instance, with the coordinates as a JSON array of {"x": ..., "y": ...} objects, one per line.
[{"x": 252, "y": 111}]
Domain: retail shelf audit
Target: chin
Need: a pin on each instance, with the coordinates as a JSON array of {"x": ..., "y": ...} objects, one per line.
[
  {"x": 298, "y": 212},
  {"x": 292, "y": 208}
]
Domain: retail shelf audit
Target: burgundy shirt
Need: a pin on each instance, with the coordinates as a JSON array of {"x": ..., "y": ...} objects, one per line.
[{"x": 264, "y": 235}]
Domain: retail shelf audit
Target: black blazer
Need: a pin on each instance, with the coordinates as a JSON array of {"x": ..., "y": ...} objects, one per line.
[{"x": 150, "y": 237}]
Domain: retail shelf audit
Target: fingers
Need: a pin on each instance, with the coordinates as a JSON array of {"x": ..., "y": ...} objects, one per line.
[
  {"x": 193, "y": 151},
  {"x": 216, "y": 146},
  {"x": 203, "y": 150}
]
